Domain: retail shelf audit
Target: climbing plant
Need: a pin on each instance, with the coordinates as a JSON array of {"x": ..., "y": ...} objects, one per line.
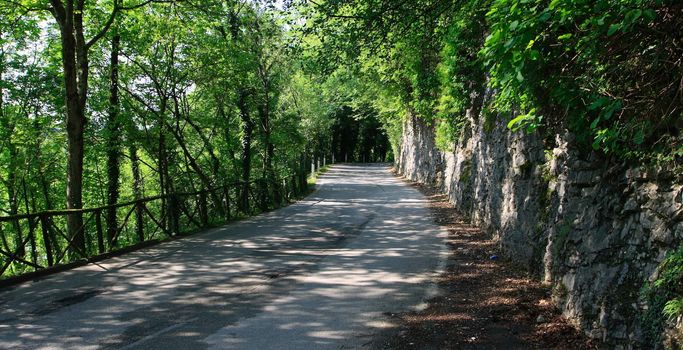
[
  {"x": 664, "y": 297},
  {"x": 604, "y": 69}
]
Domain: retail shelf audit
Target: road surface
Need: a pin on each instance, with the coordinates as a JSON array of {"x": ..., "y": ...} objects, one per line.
[{"x": 326, "y": 272}]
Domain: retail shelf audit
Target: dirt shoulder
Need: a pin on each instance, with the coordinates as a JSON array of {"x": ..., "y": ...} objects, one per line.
[{"x": 486, "y": 302}]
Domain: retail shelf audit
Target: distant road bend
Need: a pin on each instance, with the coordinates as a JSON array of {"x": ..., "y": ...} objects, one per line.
[{"x": 324, "y": 273}]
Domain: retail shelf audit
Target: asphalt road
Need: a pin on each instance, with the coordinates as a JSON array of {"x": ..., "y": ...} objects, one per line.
[{"x": 327, "y": 272}]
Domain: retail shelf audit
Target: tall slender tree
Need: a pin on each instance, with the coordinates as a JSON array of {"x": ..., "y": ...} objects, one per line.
[{"x": 113, "y": 133}]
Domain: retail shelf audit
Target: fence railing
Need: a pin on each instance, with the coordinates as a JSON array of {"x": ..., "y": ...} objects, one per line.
[{"x": 33, "y": 242}]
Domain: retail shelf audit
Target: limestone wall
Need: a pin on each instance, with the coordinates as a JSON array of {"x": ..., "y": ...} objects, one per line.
[{"x": 596, "y": 230}]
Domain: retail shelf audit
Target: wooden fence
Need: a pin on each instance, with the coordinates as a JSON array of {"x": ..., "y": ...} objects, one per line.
[{"x": 39, "y": 241}]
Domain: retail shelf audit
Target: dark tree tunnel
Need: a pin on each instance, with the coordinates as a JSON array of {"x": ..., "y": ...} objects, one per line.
[{"x": 359, "y": 137}]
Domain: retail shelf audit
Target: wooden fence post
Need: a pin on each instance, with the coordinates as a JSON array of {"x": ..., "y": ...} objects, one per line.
[
  {"x": 244, "y": 197},
  {"x": 284, "y": 192},
  {"x": 32, "y": 239},
  {"x": 100, "y": 234},
  {"x": 226, "y": 196},
  {"x": 302, "y": 169},
  {"x": 203, "y": 209},
  {"x": 277, "y": 192},
  {"x": 139, "y": 222},
  {"x": 263, "y": 194},
  {"x": 20, "y": 248},
  {"x": 174, "y": 213},
  {"x": 45, "y": 224}
]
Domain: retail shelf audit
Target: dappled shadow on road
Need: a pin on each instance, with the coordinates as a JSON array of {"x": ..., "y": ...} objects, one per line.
[{"x": 307, "y": 276}]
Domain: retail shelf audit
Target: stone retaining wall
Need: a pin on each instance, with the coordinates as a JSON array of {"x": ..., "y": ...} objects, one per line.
[{"x": 595, "y": 230}]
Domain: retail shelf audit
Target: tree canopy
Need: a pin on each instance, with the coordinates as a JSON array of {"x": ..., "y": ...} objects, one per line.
[{"x": 108, "y": 101}]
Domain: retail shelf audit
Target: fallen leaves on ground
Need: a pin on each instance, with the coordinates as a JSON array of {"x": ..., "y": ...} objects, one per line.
[{"x": 486, "y": 302}]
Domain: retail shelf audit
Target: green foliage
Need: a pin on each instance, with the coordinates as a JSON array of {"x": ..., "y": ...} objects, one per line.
[
  {"x": 191, "y": 78},
  {"x": 607, "y": 70},
  {"x": 589, "y": 66},
  {"x": 414, "y": 62},
  {"x": 673, "y": 308},
  {"x": 664, "y": 296},
  {"x": 461, "y": 73},
  {"x": 446, "y": 134}
]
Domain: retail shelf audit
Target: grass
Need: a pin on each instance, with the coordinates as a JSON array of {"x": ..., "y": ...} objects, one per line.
[{"x": 314, "y": 176}]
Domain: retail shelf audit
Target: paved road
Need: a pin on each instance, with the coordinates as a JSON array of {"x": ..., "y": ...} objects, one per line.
[{"x": 324, "y": 273}]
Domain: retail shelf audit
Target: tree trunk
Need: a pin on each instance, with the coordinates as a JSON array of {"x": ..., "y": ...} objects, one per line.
[
  {"x": 227, "y": 136},
  {"x": 268, "y": 170},
  {"x": 13, "y": 198},
  {"x": 137, "y": 186},
  {"x": 163, "y": 173},
  {"x": 247, "y": 130},
  {"x": 113, "y": 142},
  {"x": 171, "y": 203},
  {"x": 75, "y": 65},
  {"x": 264, "y": 116},
  {"x": 12, "y": 166}
]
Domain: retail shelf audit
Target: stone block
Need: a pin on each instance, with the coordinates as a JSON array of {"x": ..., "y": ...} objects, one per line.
[{"x": 630, "y": 206}]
